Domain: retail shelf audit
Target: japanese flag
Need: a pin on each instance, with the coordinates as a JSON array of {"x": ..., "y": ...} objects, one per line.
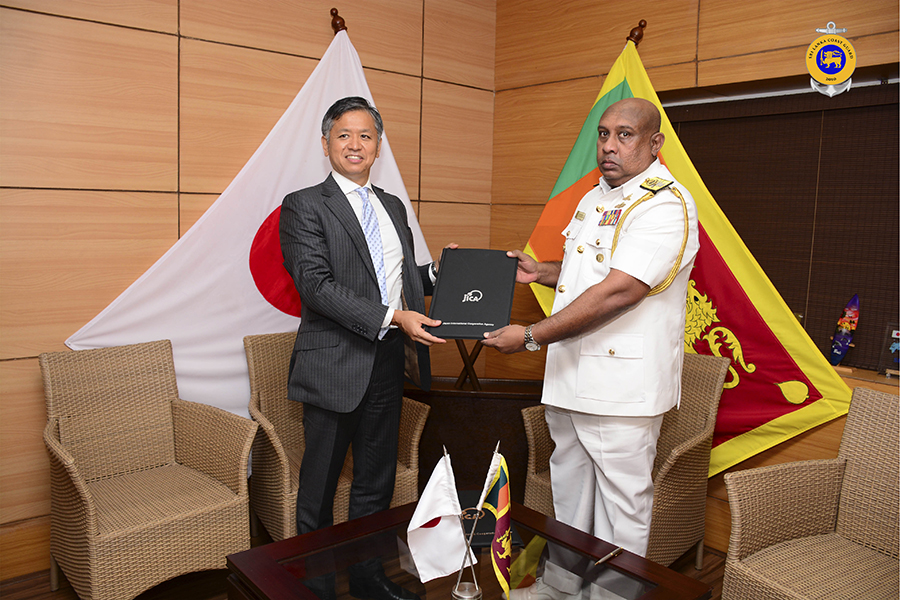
[
  {"x": 224, "y": 278},
  {"x": 435, "y": 535}
]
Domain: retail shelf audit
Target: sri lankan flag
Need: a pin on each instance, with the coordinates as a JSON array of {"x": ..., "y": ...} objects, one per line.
[
  {"x": 497, "y": 501},
  {"x": 779, "y": 384}
]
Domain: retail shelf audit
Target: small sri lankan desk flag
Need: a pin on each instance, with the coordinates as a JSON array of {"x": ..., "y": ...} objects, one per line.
[
  {"x": 497, "y": 501},
  {"x": 779, "y": 384}
]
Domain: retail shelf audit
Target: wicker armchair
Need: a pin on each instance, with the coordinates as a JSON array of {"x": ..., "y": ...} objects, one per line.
[
  {"x": 681, "y": 469},
  {"x": 821, "y": 528},
  {"x": 279, "y": 446},
  {"x": 144, "y": 486}
]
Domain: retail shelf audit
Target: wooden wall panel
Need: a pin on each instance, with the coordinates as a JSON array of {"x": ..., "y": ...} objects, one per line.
[
  {"x": 230, "y": 100},
  {"x": 764, "y": 65},
  {"x": 65, "y": 255},
  {"x": 191, "y": 207},
  {"x": 463, "y": 29},
  {"x": 86, "y": 105},
  {"x": 511, "y": 225},
  {"x": 534, "y": 129},
  {"x": 399, "y": 100},
  {"x": 24, "y": 467},
  {"x": 155, "y": 15},
  {"x": 673, "y": 77},
  {"x": 387, "y": 34},
  {"x": 24, "y": 548},
  {"x": 880, "y": 49},
  {"x": 468, "y": 225},
  {"x": 540, "y": 41},
  {"x": 456, "y": 143},
  {"x": 299, "y": 28},
  {"x": 730, "y": 28}
]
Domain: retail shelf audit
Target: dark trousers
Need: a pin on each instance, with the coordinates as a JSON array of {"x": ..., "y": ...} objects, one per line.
[{"x": 372, "y": 428}]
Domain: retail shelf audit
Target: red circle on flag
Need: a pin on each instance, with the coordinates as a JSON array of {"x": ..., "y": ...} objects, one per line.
[{"x": 267, "y": 268}]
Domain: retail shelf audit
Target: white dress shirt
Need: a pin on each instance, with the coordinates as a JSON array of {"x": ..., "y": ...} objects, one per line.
[{"x": 390, "y": 241}]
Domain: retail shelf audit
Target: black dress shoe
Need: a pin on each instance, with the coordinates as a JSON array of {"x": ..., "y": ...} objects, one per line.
[{"x": 379, "y": 587}]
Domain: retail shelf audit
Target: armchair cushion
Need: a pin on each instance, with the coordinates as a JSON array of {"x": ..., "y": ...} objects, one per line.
[
  {"x": 818, "y": 566},
  {"x": 124, "y": 502}
]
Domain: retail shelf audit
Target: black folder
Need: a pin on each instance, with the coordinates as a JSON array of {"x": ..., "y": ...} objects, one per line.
[{"x": 473, "y": 293}]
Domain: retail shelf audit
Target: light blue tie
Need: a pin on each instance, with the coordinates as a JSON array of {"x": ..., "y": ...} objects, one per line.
[{"x": 373, "y": 239}]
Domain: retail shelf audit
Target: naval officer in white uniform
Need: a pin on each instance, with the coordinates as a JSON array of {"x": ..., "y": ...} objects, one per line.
[{"x": 615, "y": 337}]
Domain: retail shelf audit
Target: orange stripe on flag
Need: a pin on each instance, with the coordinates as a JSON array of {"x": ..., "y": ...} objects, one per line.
[{"x": 547, "y": 240}]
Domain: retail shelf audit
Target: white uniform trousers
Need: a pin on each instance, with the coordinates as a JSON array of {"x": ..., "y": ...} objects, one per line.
[{"x": 601, "y": 477}]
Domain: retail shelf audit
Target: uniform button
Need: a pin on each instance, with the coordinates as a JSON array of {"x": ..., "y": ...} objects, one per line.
[
  {"x": 612, "y": 352},
  {"x": 561, "y": 289},
  {"x": 580, "y": 249},
  {"x": 568, "y": 233},
  {"x": 599, "y": 258},
  {"x": 598, "y": 241},
  {"x": 564, "y": 248},
  {"x": 599, "y": 208}
]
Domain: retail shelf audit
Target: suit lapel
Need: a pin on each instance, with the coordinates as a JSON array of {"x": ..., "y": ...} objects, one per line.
[
  {"x": 338, "y": 204},
  {"x": 397, "y": 220}
]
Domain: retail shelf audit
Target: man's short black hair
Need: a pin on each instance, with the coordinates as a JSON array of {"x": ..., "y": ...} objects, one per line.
[{"x": 348, "y": 104}]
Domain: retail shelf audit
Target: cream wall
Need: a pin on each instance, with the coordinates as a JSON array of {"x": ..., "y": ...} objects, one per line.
[{"x": 121, "y": 122}]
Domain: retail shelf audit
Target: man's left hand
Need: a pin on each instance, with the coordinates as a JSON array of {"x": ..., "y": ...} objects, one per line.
[{"x": 508, "y": 340}]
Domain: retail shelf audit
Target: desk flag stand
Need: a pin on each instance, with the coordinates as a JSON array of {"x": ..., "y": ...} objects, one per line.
[{"x": 469, "y": 590}]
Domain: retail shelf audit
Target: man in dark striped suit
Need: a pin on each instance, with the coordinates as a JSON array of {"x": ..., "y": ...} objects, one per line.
[{"x": 348, "y": 246}]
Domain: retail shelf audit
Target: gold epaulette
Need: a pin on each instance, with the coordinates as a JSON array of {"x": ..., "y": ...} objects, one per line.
[{"x": 655, "y": 184}]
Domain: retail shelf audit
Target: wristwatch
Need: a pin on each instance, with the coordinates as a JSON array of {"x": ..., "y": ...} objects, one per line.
[{"x": 530, "y": 344}]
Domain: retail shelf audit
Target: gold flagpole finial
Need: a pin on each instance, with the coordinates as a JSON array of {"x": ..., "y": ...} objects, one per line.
[
  {"x": 337, "y": 21},
  {"x": 637, "y": 34}
]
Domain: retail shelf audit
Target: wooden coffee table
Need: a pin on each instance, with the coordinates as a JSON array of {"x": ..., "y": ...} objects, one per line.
[{"x": 278, "y": 570}]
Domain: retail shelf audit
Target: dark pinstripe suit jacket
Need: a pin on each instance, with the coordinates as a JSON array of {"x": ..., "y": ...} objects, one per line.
[{"x": 325, "y": 252}]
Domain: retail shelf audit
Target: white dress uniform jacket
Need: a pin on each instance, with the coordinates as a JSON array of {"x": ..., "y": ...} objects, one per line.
[{"x": 631, "y": 366}]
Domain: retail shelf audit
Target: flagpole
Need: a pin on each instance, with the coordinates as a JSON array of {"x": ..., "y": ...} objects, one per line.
[
  {"x": 474, "y": 525},
  {"x": 462, "y": 526}
]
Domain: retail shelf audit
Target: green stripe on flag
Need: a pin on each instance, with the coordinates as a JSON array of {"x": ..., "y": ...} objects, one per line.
[{"x": 583, "y": 157}]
